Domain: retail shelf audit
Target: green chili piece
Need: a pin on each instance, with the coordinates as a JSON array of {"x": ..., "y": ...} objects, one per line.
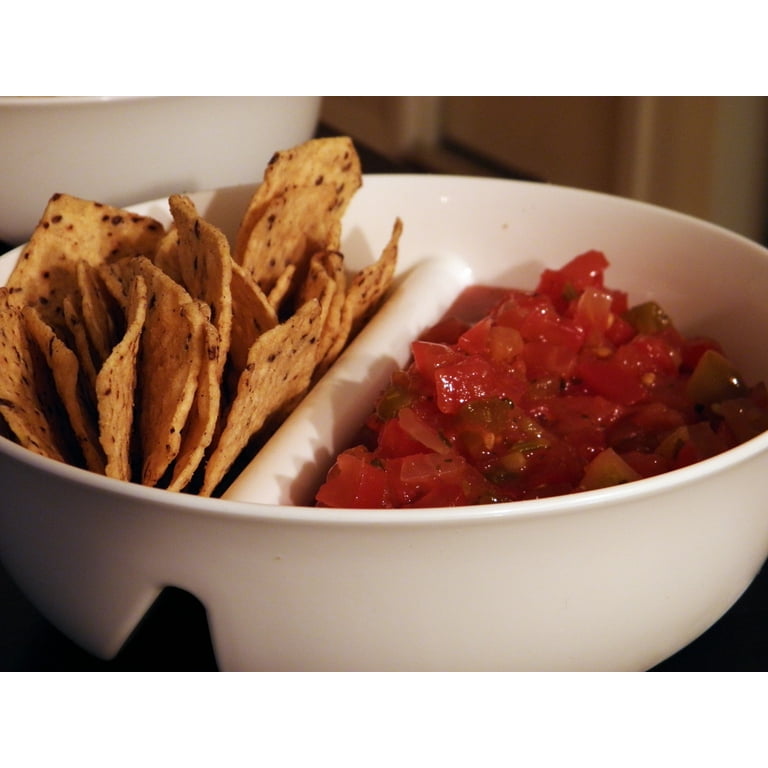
[
  {"x": 647, "y": 318},
  {"x": 391, "y": 401},
  {"x": 714, "y": 379}
]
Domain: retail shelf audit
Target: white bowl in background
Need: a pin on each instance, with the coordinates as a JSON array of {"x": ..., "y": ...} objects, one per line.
[
  {"x": 612, "y": 579},
  {"x": 120, "y": 149}
]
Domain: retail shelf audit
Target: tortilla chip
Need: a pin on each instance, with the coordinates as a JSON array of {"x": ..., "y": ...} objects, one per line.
[
  {"x": 27, "y": 395},
  {"x": 169, "y": 364},
  {"x": 80, "y": 344},
  {"x": 205, "y": 267},
  {"x": 280, "y": 291},
  {"x": 117, "y": 279},
  {"x": 296, "y": 224},
  {"x": 203, "y": 417},
  {"x": 370, "y": 284},
  {"x": 166, "y": 255},
  {"x": 364, "y": 294},
  {"x": 98, "y": 312},
  {"x": 65, "y": 370},
  {"x": 326, "y": 281},
  {"x": 116, "y": 388},
  {"x": 279, "y": 369},
  {"x": 332, "y": 161},
  {"x": 72, "y": 230},
  {"x": 252, "y": 315}
]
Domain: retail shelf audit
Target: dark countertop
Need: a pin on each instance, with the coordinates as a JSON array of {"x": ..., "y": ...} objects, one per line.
[{"x": 174, "y": 634}]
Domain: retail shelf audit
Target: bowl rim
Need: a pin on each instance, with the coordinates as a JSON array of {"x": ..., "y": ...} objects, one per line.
[
  {"x": 62, "y": 101},
  {"x": 257, "y": 512}
]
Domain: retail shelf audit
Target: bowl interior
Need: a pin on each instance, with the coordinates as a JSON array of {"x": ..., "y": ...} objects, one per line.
[{"x": 459, "y": 231}]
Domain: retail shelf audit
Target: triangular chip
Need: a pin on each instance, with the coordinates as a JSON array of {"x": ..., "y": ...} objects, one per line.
[
  {"x": 201, "y": 423},
  {"x": 332, "y": 161},
  {"x": 252, "y": 315},
  {"x": 81, "y": 345},
  {"x": 279, "y": 369},
  {"x": 326, "y": 281},
  {"x": 295, "y": 224},
  {"x": 116, "y": 387},
  {"x": 364, "y": 293},
  {"x": 368, "y": 287},
  {"x": 65, "y": 370},
  {"x": 169, "y": 364},
  {"x": 98, "y": 312},
  {"x": 205, "y": 267},
  {"x": 166, "y": 255},
  {"x": 73, "y": 230},
  {"x": 279, "y": 292},
  {"x": 27, "y": 393}
]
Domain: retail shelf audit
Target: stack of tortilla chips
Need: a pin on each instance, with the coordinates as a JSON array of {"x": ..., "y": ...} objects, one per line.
[{"x": 161, "y": 357}]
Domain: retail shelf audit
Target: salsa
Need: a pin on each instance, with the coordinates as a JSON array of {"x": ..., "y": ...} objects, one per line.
[{"x": 527, "y": 394}]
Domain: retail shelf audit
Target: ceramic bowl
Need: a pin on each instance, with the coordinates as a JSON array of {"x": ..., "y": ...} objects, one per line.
[
  {"x": 611, "y": 579},
  {"x": 122, "y": 149}
]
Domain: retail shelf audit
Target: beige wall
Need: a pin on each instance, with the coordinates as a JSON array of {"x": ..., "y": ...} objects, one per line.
[{"x": 701, "y": 155}]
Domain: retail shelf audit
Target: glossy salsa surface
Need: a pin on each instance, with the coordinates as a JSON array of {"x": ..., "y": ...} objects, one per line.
[{"x": 526, "y": 394}]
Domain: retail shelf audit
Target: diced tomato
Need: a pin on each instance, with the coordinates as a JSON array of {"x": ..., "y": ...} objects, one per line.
[
  {"x": 420, "y": 430},
  {"x": 474, "y": 340},
  {"x": 543, "y": 359},
  {"x": 648, "y": 354},
  {"x": 619, "y": 332},
  {"x": 355, "y": 480},
  {"x": 500, "y": 343},
  {"x": 553, "y": 471},
  {"x": 520, "y": 395},
  {"x": 656, "y": 417},
  {"x": 564, "y": 284},
  {"x": 422, "y": 469},
  {"x": 606, "y": 378},
  {"x": 583, "y": 421},
  {"x": 513, "y": 312},
  {"x": 474, "y": 378},
  {"x": 393, "y": 440},
  {"x": 545, "y": 324},
  {"x": 448, "y": 481},
  {"x": 571, "y": 412},
  {"x": 429, "y": 356},
  {"x": 620, "y": 301}
]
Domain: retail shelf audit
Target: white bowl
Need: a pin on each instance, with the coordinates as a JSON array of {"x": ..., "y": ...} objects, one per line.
[
  {"x": 122, "y": 149},
  {"x": 612, "y": 579}
]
